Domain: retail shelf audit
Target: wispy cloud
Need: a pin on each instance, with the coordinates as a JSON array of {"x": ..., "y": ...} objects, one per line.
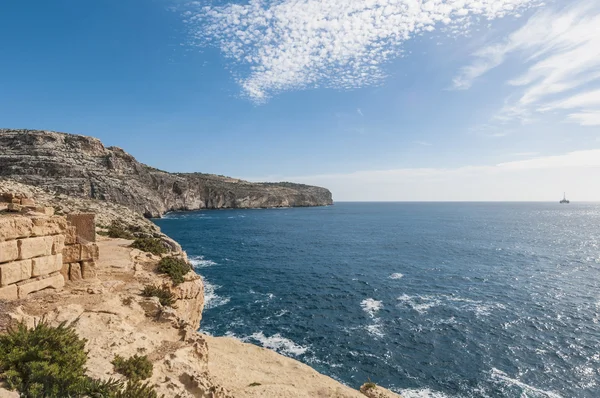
[
  {"x": 282, "y": 45},
  {"x": 423, "y": 143},
  {"x": 360, "y": 112},
  {"x": 561, "y": 51}
]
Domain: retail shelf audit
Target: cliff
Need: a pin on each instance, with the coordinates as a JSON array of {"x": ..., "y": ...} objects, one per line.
[{"x": 82, "y": 166}]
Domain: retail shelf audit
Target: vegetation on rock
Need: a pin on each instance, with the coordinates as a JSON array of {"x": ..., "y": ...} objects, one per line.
[
  {"x": 175, "y": 267},
  {"x": 116, "y": 230},
  {"x": 151, "y": 245},
  {"x": 165, "y": 296},
  {"x": 135, "y": 368}
]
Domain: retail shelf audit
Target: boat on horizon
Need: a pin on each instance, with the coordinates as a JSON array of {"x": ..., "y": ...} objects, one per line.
[{"x": 564, "y": 199}]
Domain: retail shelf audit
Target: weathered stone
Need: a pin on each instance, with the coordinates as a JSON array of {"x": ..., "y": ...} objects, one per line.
[
  {"x": 88, "y": 269},
  {"x": 75, "y": 272},
  {"x": 3, "y": 206},
  {"x": 55, "y": 281},
  {"x": 15, "y": 208},
  {"x": 70, "y": 235},
  {"x": 9, "y": 251},
  {"x": 59, "y": 244},
  {"x": 35, "y": 247},
  {"x": 43, "y": 226},
  {"x": 13, "y": 227},
  {"x": 14, "y": 272},
  {"x": 28, "y": 202},
  {"x": 16, "y": 201},
  {"x": 8, "y": 196},
  {"x": 48, "y": 211},
  {"x": 85, "y": 224},
  {"x": 46, "y": 265},
  {"x": 89, "y": 252},
  {"x": 65, "y": 271},
  {"x": 9, "y": 293},
  {"x": 72, "y": 253}
]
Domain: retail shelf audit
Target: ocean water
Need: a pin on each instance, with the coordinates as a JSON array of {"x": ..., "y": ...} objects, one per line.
[{"x": 428, "y": 299}]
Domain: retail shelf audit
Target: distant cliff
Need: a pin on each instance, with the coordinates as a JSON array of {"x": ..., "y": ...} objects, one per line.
[{"x": 82, "y": 166}]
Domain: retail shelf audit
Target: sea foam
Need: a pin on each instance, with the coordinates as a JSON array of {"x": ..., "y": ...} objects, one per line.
[
  {"x": 201, "y": 262},
  {"x": 371, "y": 306},
  {"x": 212, "y": 299},
  {"x": 396, "y": 275},
  {"x": 277, "y": 343}
]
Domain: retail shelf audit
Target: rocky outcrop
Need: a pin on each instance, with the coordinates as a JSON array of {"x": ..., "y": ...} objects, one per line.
[{"x": 82, "y": 166}]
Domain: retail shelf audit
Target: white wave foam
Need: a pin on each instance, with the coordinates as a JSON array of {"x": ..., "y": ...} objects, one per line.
[
  {"x": 278, "y": 343},
  {"x": 371, "y": 306},
  {"x": 396, "y": 275},
  {"x": 419, "y": 303},
  {"x": 201, "y": 262},
  {"x": 528, "y": 391},
  {"x": 375, "y": 329},
  {"x": 212, "y": 299},
  {"x": 422, "y": 393},
  {"x": 423, "y": 303}
]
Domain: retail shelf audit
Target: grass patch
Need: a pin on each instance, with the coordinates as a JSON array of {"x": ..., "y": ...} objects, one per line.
[
  {"x": 175, "y": 267},
  {"x": 151, "y": 245},
  {"x": 135, "y": 368},
  {"x": 369, "y": 386},
  {"x": 164, "y": 295}
]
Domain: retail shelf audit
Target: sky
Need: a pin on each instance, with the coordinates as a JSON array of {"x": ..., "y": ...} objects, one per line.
[{"x": 392, "y": 100}]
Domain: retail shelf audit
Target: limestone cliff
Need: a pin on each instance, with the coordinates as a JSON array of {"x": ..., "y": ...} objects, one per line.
[{"x": 82, "y": 166}]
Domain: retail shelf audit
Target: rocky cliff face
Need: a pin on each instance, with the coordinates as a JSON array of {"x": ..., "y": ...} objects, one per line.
[{"x": 82, "y": 166}]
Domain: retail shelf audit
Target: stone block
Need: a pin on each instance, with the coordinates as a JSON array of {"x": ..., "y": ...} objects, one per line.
[
  {"x": 9, "y": 292},
  {"x": 35, "y": 247},
  {"x": 72, "y": 253},
  {"x": 85, "y": 224},
  {"x": 43, "y": 226},
  {"x": 59, "y": 244},
  {"x": 70, "y": 235},
  {"x": 88, "y": 269},
  {"x": 47, "y": 211},
  {"x": 75, "y": 272},
  {"x": 14, "y": 272},
  {"x": 46, "y": 265},
  {"x": 27, "y": 202},
  {"x": 8, "y": 196},
  {"x": 13, "y": 227},
  {"x": 15, "y": 201},
  {"x": 89, "y": 252},
  {"x": 15, "y": 208},
  {"x": 55, "y": 281},
  {"x": 3, "y": 206},
  {"x": 9, "y": 251},
  {"x": 65, "y": 271}
]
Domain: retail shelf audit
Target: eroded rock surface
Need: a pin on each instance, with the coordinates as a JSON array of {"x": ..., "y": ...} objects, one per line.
[{"x": 82, "y": 166}]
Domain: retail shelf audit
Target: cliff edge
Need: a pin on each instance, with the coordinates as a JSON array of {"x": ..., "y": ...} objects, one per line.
[{"x": 82, "y": 166}]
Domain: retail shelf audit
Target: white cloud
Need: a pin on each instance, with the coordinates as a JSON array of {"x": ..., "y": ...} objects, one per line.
[
  {"x": 538, "y": 178},
  {"x": 561, "y": 51},
  {"x": 359, "y": 111},
  {"x": 280, "y": 45},
  {"x": 423, "y": 143}
]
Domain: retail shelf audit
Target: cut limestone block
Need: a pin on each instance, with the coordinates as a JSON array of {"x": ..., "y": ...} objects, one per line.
[
  {"x": 35, "y": 247},
  {"x": 59, "y": 244},
  {"x": 9, "y": 292},
  {"x": 15, "y": 227},
  {"x": 72, "y": 253},
  {"x": 43, "y": 226},
  {"x": 15, "y": 272},
  {"x": 14, "y": 207},
  {"x": 46, "y": 265},
  {"x": 75, "y": 272},
  {"x": 55, "y": 281},
  {"x": 89, "y": 252},
  {"x": 15, "y": 201},
  {"x": 27, "y": 202},
  {"x": 70, "y": 235},
  {"x": 85, "y": 223},
  {"x": 65, "y": 271},
  {"x": 9, "y": 251},
  {"x": 88, "y": 269}
]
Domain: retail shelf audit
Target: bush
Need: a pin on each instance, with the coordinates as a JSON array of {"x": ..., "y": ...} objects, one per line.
[
  {"x": 117, "y": 230},
  {"x": 175, "y": 267},
  {"x": 164, "y": 295},
  {"x": 152, "y": 245},
  {"x": 43, "y": 361},
  {"x": 135, "y": 368},
  {"x": 136, "y": 390}
]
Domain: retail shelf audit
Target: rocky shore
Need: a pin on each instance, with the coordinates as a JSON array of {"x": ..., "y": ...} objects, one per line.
[
  {"x": 80, "y": 166},
  {"x": 109, "y": 311}
]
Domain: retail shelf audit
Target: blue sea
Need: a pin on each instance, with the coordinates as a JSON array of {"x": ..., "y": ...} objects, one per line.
[{"x": 427, "y": 299}]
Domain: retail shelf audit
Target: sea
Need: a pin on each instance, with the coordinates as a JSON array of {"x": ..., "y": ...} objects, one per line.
[{"x": 427, "y": 299}]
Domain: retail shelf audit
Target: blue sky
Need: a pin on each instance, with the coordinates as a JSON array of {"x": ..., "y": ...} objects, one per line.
[{"x": 375, "y": 99}]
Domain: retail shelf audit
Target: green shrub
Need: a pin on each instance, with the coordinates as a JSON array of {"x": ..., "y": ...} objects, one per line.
[
  {"x": 255, "y": 384},
  {"x": 43, "y": 361},
  {"x": 117, "y": 230},
  {"x": 135, "y": 368},
  {"x": 164, "y": 295},
  {"x": 135, "y": 389},
  {"x": 152, "y": 245},
  {"x": 175, "y": 267},
  {"x": 368, "y": 386}
]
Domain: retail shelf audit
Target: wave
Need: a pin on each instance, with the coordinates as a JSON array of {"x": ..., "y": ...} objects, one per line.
[
  {"x": 526, "y": 389},
  {"x": 422, "y": 393},
  {"x": 396, "y": 275},
  {"x": 277, "y": 343},
  {"x": 371, "y": 306},
  {"x": 212, "y": 299},
  {"x": 423, "y": 303},
  {"x": 201, "y": 262}
]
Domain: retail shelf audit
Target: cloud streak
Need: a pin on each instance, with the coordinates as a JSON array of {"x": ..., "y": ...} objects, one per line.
[
  {"x": 561, "y": 51},
  {"x": 281, "y": 45}
]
